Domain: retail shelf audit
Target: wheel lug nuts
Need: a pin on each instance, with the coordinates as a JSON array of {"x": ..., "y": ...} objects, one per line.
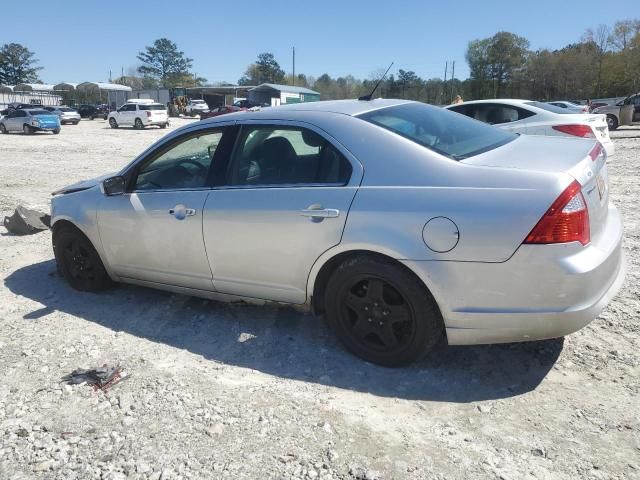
[
  {"x": 385, "y": 313},
  {"x": 369, "y": 320},
  {"x": 381, "y": 323},
  {"x": 366, "y": 309}
]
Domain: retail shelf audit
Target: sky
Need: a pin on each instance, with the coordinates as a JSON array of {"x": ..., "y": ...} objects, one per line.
[{"x": 80, "y": 40}]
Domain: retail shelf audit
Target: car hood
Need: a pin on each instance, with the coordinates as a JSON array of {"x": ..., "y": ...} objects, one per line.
[{"x": 82, "y": 185}]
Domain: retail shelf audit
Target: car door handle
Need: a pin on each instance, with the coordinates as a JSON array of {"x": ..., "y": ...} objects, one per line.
[
  {"x": 180, "y": 212},
  {"x": 320, "y": 212}
]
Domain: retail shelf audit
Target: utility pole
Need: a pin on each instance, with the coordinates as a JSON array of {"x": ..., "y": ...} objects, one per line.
[
  {"x": 453, "y": 76},
  {"x": 443, "y": 95},
  {"x": 294, "y": 66}
]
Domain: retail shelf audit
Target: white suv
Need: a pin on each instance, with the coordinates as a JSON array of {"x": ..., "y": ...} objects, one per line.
[
  {"x": 196, "y": 107},
  {"x": 140, "y": 113}
]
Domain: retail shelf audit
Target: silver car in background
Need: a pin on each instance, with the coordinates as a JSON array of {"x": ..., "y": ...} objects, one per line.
[
  {"x": 397, "y": 221},
  {"x": 66, "y": 114}
]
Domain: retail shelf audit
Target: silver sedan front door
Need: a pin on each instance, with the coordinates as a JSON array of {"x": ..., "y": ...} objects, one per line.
[
  {"x": 154, "y": 232},
  {"x": 285, "y": 202}
]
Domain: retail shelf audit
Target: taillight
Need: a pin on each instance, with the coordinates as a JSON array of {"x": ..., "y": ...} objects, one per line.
[
  {"x": 595, "y": 151},
  {"x": 583, "y": 131},
  {"x": 567, "y": 220},
  {"x": 148, "y": 114}
]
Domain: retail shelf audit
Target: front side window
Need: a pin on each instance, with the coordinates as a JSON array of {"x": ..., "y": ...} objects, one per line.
[
  {"x": 447, "y": 133},
  {"x": 496, "y": 114},
  {"x": 184, "y": 165},
  {"x": 277, "y": 155}
]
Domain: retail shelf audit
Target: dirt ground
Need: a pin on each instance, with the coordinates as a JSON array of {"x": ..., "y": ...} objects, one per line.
[{"x": 220, "y": 391}]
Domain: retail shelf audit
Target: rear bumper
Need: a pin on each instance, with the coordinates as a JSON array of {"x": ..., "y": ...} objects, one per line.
[
  {"x": 542, "y": 291},
  {"x": 609, "y": 148}
]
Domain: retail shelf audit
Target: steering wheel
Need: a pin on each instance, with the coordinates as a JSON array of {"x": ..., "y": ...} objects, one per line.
[{"x": 201, "y": 169}]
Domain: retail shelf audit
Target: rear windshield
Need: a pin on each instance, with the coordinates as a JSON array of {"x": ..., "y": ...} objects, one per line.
[
  {"x": 39, "y": 112},
  {"x": 450, "y": 134},
  {"x": 550, "y": 108},
  {"x": 153, "y": 106}
]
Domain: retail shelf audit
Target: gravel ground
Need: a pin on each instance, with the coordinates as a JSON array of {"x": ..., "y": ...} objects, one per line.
[{"x": 221, "y": 391}]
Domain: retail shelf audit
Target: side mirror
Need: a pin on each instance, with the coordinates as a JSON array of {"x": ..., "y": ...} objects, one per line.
[{"x": 113, "y": 186}]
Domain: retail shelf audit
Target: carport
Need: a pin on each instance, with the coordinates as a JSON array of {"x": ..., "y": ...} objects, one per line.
[
  {"x": 218, "y": 96},
  {"x": 111, "y": 93}
]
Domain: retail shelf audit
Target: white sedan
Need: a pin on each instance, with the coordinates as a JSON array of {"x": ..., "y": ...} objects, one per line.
[{"x": 538, "y": 118}]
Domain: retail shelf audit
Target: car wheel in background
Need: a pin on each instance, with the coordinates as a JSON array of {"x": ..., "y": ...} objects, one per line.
[
  {"x": 612, "y": 122},
  {"x": 3, "y": 129},
  {"x": 91, "y": 117},
  {"x": 138, "y": 124},
  {"x": 78, "y": 261},
  {"x": 113, "y": 123},
  {"x": 27, "y": 130},
  {"x": 164, "y": 125},
  {"x": 56, "y": 131},
  {"x": 382, "y": 312}
]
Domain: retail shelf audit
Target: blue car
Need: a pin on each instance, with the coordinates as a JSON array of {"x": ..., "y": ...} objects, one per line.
[{"x": 30, "y": 121}]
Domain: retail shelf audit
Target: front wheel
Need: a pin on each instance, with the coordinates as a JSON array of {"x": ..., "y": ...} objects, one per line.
[
  {"x": 27, "y": 130},
  {"x": 79, "y": 262},
  {"x": 382, "y": 312},
  {"x": 612, "y": 122},
  {"x": 56, "y": 131},
  {"x": 163, "y": 125},
  {"x": 113, "y": 123},
  {"x": 3, "y": 129}
]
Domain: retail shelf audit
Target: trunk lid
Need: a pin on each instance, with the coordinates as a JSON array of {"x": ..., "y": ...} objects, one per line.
[
  {"x": 596, "y": 121},
  {"x": 569, "y": 155}
]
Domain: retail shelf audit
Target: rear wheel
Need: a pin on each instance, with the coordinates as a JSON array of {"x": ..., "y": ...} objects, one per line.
[
  {"x": 164, "y": 125},
  {"x": 381, "y": 312},
  {"x": 138, "y": 124},
  {"x": 612, "y": 122},
  {"x": 27, "y": 130},
  {"x": 3, "y": 129},
  {"x": 113, "y": 123},
  {"x": 79, "y": 262}
]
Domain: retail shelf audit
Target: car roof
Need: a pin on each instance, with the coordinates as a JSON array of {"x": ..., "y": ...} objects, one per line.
[
  {"x": 345, "y": 107},
  {"x": 506, "y": 101}
]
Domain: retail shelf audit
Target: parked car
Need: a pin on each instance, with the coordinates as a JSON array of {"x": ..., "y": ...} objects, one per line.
[
  {"x": 66, "y": 114},
  {"x": 196, "y": 107},
  {"x": 248, "y": 104},
  {"x": 30, "y": 121},
  {"x": 538, "y": 118},
  {"x": 625, "y": 112},
  {"x": 570, "y": 106},
  {"x": 217, "y": 111},
  {"x": 397, "y": 221},
  {"x": 93, "y": 111},
  {"x": 140, "y": 114}
]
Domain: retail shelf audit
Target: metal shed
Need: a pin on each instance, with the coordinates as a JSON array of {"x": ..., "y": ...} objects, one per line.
[{"x": 275, "y": 94}]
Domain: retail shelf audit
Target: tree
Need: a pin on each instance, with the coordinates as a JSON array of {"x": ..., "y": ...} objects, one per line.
[
  {"x": 17, "y": 65},
  {"x": 265, "y": 70},
  {"x": 165, "y": 63},
  {"x": 496, "y": 59}
]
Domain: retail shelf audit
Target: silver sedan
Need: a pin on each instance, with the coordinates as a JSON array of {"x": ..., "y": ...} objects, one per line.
[{"x": 397, "y": 221}]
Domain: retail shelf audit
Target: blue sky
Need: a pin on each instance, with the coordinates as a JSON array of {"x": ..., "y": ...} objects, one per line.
[{"x": 82, "y": 40}]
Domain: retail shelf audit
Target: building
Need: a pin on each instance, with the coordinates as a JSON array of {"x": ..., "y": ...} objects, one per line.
[{"x": 281, "y": 94}]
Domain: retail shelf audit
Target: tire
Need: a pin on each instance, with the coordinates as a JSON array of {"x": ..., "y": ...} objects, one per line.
[
  {"x": 75, "y": 123},
  {"x": 56, "y": 131},
  {"x": 113, "y": 123},
  {"x": 612, "y": 122},
  {"x": 79, "y": 262},
  {"x": 3, "y": 129},
  {"x": 381, "y": 312},
  {"x": 91, "y": 117},
  {"x": 27, "y": 130},
  {"x": 164, "y": 125},
  {"x": 137, "y": 124}
]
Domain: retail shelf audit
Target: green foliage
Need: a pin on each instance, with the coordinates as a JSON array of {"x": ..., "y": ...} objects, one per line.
[
  {"x": 17, "y": 65},
  {"x": 165, "y": 63},
  {"x": 265, "y": 70}
]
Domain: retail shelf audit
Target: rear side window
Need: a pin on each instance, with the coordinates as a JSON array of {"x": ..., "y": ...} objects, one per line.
[
  {"x": 496, "y": 113},
  {"x": 437, "y": 129},
  {"x": 274, "y": 155},
  {"x": 154, "y": 106},
  {"x": 549, "y": 108}
]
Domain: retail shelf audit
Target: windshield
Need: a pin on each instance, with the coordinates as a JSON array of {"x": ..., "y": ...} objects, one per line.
[
  {"x": 197, "y": 101},
  {"x": 66, "y": 109},
  {"x": 450, "y": 134},
  {"x": 153, "y": 106},
  {"x": 39, "y": 112},
  {"x": 550, "y": 108}
]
